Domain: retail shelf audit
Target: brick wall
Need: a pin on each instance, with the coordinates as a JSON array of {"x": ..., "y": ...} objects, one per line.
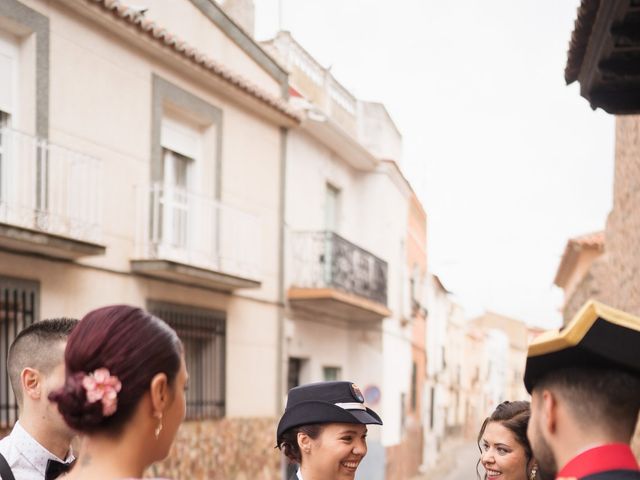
[
  {"x": 615, "y": 277},
  {"x": 238, "y": 449}
]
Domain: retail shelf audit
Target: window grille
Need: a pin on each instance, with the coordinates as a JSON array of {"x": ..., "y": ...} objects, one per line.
[
  {"x": 18, "y": 309},
  {"x": 203, "y": 335}
]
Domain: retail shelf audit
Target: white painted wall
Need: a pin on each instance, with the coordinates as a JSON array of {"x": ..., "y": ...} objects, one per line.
[
  {"x": 90, "y": 66},
  {"x": 373, "y": 215}
]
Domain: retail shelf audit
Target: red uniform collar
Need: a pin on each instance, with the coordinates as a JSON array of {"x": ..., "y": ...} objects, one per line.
[{"x": 615, "y": 456}]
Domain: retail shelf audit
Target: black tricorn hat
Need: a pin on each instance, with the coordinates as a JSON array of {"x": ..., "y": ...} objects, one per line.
[
  {"x": 325, "y": 402},
  {"x": 597, "y": 337}
]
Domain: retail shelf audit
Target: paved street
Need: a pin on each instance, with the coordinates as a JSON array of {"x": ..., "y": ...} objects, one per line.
[{"x": 458, "y": 462}]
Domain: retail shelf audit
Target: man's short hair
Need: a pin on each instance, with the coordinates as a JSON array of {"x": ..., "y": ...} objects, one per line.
[
  {"x": 603, "y": 398},
  {"x": 35, "y": 347}
]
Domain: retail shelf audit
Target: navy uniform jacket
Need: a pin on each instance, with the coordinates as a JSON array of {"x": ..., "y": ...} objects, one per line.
[
  {"x": 615, "y": 475},
  {"x": 606, "y": 462}
]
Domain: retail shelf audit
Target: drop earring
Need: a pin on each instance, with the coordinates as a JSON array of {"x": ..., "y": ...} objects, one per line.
[
  {"x": 534, "y": 471},
  {"x": 158, "y": 429}
]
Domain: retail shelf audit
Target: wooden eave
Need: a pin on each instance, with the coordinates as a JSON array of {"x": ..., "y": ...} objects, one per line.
[{"x": 604, "y": 55}]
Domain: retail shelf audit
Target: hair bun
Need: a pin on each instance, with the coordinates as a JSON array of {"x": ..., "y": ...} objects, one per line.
[{"x": 74, "y": 407}]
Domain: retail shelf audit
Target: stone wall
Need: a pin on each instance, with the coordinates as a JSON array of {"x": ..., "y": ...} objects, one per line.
[
  {"x": 236, "y": 448},
  {"x": 615, "y": 277}
]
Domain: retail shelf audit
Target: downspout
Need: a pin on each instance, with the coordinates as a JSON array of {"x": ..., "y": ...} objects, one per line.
[{"x": 281, "y": 274}]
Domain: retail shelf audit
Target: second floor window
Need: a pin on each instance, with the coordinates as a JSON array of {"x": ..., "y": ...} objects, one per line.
[{"x": 180, "y": 154}]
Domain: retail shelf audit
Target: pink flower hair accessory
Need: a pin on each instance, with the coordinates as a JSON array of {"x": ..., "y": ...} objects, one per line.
[{"x": 103, "y": 387}]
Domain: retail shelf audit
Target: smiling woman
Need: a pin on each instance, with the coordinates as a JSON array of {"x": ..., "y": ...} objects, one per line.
[
  {"x": 505, "y": 452},
  {"x": 324, "y": 430}
]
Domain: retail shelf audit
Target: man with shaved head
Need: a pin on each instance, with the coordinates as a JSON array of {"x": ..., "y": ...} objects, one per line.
[{"x": 38, "y": 447}]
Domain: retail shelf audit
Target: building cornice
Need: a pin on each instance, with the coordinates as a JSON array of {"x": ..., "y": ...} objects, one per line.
[{"x": 131, "y": 24}]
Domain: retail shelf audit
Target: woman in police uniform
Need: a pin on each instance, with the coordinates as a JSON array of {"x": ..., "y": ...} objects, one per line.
[{"x": 324, "y": 429}]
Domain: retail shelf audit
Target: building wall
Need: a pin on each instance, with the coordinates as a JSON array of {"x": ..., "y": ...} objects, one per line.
[
  {"x": 377, "y": 131},
  {"x": 443, "y": 329},
  {"x": 584, "y": 260},
  {"x": 199, "y": 31},
  {"x": 613, "y": 277},
  {"x": 90, "y": 65},
  {"x": 517, "y": 334}
]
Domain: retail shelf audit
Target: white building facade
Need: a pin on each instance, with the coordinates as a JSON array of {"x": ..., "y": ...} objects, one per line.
[
  {"x": 346, "y": 219},
  {"x": 126, "y": 177}
]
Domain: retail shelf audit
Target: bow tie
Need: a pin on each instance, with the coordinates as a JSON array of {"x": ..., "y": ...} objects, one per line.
[{"x": 55, "y": 469}]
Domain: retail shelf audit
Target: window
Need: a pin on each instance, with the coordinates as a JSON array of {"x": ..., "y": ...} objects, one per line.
[
  {"x": 432, "y": 407},
  {"x": 19, "y": 301},
  {"x": 203, "y": 334},
  {"x": 331, "y": 374},
  {"x": 180, "y": 151},
  {"x": 331, "y": 208},
  {"x": 414, "y": 386},
  {"x": 8, "y": 101},
  {"x": 295, "y": 372},
  {"x": 4, "y": 154},
  {"x": 9, "y": 62},
  {"x": 403, "y": 412}
]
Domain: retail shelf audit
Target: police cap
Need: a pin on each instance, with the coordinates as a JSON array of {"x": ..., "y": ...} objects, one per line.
[{"x": 325, "y": 402}]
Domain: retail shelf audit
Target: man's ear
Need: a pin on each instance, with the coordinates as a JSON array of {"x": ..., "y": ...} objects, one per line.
[
  {"x": 159, "y": 393},
  {"x": 304, "y": 442},
  {"x": 549, "y": 411},
  {"x": 31, "y": 383}
]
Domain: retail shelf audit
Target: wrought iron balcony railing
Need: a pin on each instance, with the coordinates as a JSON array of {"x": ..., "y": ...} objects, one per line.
[
  {"x": 181, "y": 226},
  {"x": 49, "y": 188},
  {"x": 326, "y": 260}
]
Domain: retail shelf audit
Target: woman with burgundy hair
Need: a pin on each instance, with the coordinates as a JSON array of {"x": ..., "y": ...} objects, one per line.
[{"x": 124, "y": 391}]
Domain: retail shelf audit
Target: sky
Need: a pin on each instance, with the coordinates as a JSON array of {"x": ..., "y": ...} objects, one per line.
[{"x": 508, "y": 161}]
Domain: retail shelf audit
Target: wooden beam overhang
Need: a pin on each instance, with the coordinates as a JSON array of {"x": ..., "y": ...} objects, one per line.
[{"x": 604, "y": 55}]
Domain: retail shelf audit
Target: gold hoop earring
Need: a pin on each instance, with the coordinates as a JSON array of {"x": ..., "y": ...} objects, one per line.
[{"x": 158, "y": 429}]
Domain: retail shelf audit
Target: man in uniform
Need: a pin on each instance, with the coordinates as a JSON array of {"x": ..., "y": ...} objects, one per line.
[{"x": 584, "y": 382}]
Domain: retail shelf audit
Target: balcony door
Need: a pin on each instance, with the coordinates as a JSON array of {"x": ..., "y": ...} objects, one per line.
[
  {"x": 180, "y": 153},
  {"x": 331, "y": 218},
  {"x": 8, "y": 102}
]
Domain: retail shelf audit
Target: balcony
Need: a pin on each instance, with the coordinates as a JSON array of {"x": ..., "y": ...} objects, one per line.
[
  {"x": 195, "y": 240},
  {"x": 49, "y": 198},
  {"x": 332, "y": 276}
]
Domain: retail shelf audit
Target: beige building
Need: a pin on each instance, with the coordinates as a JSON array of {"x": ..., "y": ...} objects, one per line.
[
  {"x": 576, "y": 261},
  {"x": 347, "y": 278},
  {"x": 518, "y": 335},
  {"x": 141, "y": 162},
  {"x": 443, "y": 397}
]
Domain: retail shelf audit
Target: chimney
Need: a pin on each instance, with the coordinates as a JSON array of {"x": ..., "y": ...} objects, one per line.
[{"x": 242, "y": 12}]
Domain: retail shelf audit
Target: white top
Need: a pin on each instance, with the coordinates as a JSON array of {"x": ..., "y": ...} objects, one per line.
[
  {"x": 26, "y": 457},
  {"x": 300, "y": 475}
]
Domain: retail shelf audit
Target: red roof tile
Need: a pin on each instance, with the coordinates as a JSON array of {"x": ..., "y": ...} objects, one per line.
[
  {"x": 590, "y": 240},
  {"x": 585, "y": 19}
]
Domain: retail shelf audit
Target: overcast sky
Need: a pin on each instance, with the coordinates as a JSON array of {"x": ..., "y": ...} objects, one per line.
[{"x": 508, "y": 161}]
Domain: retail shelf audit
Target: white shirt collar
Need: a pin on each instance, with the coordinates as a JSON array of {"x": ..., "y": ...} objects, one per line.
[
  {"x": 31, "y": 450},
  {"x": 299, "y": 474}
]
